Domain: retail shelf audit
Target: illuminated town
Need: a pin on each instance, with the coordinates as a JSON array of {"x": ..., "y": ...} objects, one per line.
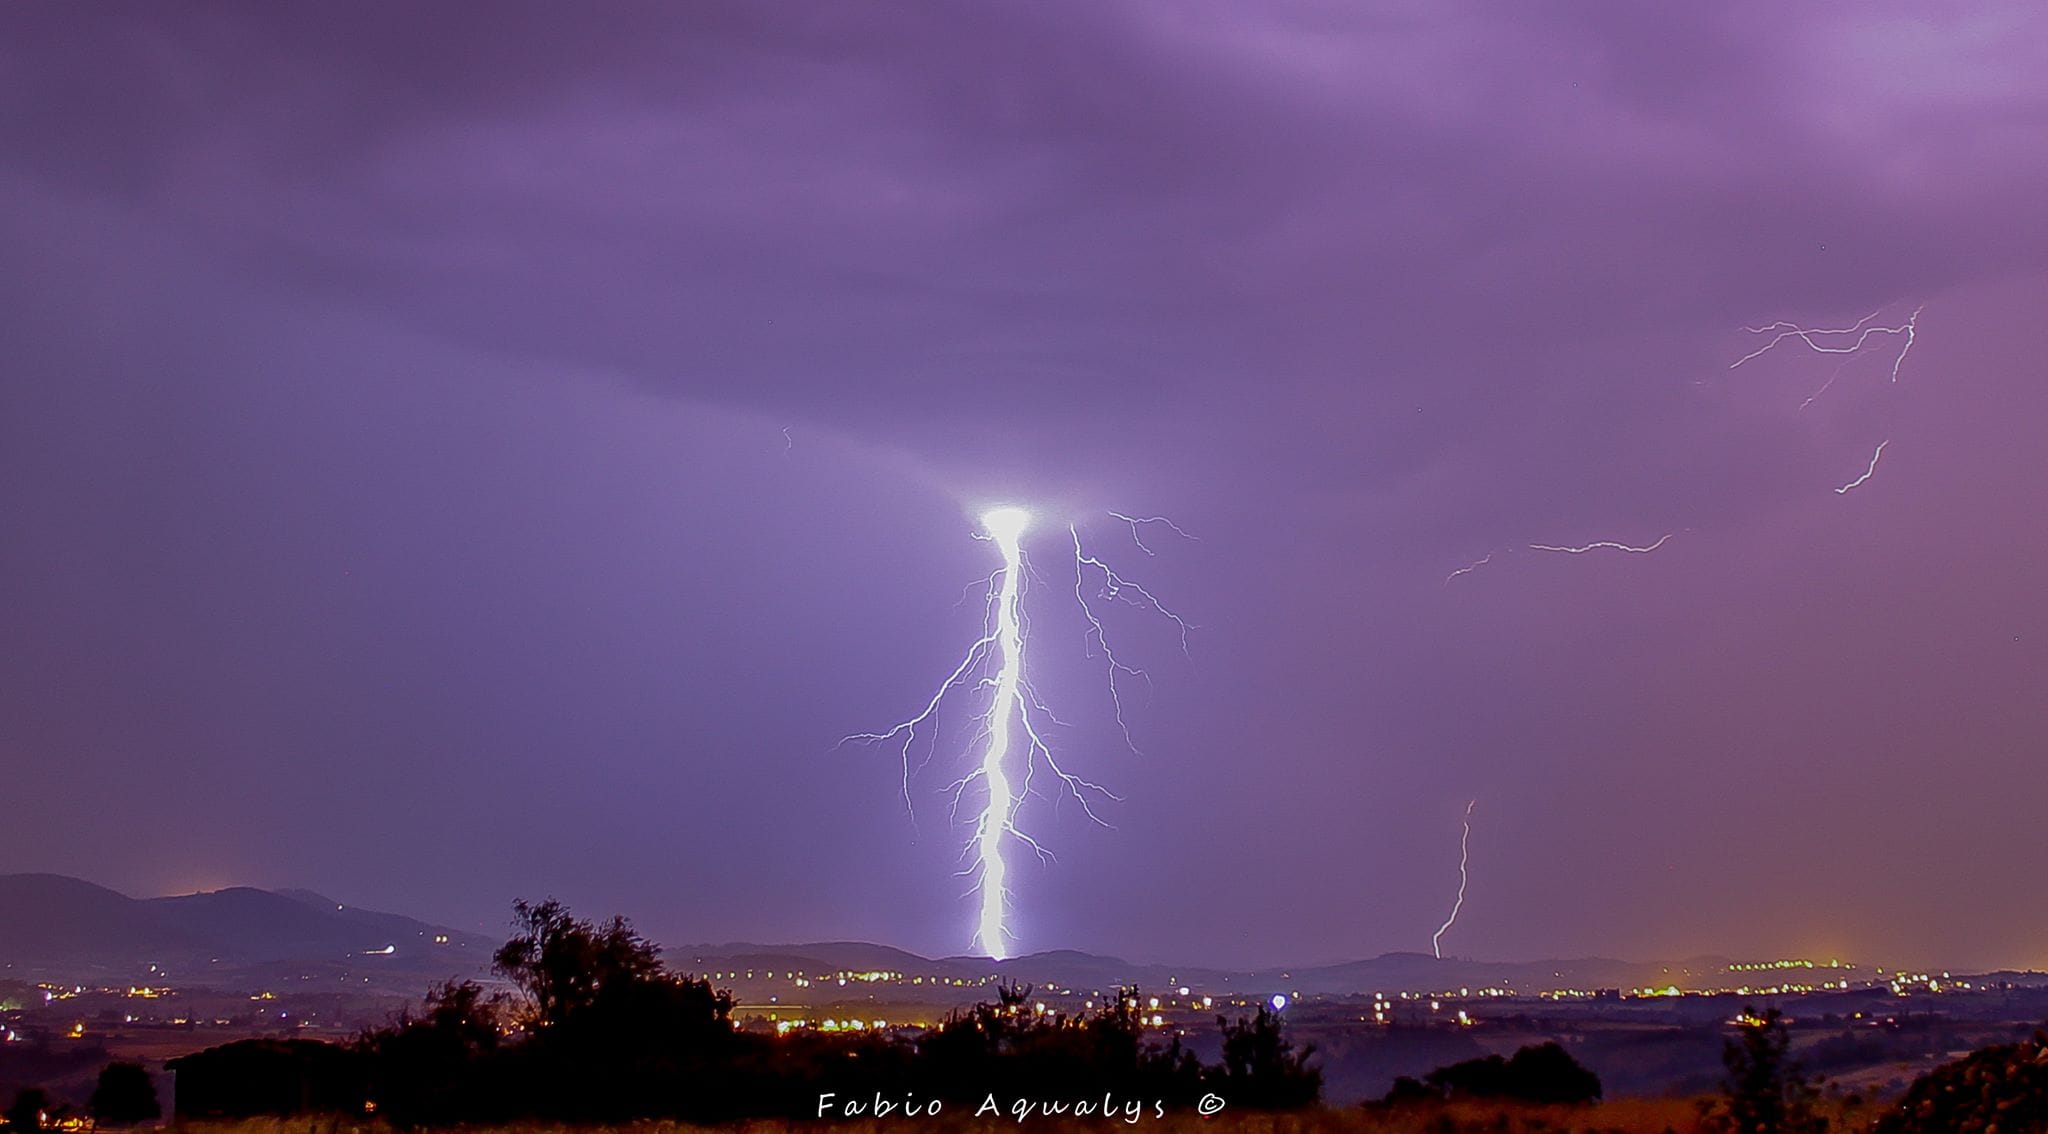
[{"x": 1367, "y": 1034}]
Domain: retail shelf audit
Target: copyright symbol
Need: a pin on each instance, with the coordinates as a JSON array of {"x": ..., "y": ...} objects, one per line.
[{"x": 1209, "y": 1105}]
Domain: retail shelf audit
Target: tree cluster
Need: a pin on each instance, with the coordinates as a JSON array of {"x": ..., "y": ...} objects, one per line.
[
  {"x": 123, "y": 1096},
  {"x": 1540, "y": 1073},
  {"x": 2001, "y": 1089},
  {"x": 1766, "y": 1091},
  {"x": 603, "y": 1031}
]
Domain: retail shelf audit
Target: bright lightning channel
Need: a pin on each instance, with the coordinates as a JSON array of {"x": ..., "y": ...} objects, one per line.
[
  {"x": 1606, "y": 544},
  {"x": 1006, "y": 527},
  {"x": 1869, "y": 472},
  {"x": 1464, "y": 860},
  {"x": 1008, "y": 724}
]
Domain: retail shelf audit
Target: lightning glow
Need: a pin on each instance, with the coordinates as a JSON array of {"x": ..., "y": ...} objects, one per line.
[
  {"x": 1464, "y": 860},
  {"x": 1007, "y": 731},
  {"x": 1869, "y": 472},
  {"x": 1605, "y": 544}
]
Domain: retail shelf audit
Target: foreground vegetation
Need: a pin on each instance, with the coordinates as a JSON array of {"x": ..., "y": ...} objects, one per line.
[
  {"x": 603, "y": 1032},
  {"x": 603, "y": 1035},
  {"x": 1624, "y": 1116}
]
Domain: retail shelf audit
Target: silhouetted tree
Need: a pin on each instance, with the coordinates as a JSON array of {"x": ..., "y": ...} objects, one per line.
[
  {"x": 1547, "y": 1073},
  {"x": 1539, "y": 1073},
  {"x": 611, "y": 1035},
  {"x": 270, "y": 1076},
  {"x": 562, "y": 962},
  {"x": 1408, "y": 1090},
  {"x": 974, "y": 1050},
  {"x": 30, "y": 1104},
  {"x": 615, "y": 1034},
  {"x": 1261, "y": 1070},
  {"x": 426, "y": 1067},
  {"x": 1765, "y": 1092},
  {"x": 1010, "y": 1048},
  {"x": 124, "y": 1096}
]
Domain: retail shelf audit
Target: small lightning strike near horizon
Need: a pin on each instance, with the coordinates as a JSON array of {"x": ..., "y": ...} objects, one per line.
[
  {"x": 1464, "y": 875},
  {"x": 1867, "y": 473},
  {"x": 1605, "y": 544}
]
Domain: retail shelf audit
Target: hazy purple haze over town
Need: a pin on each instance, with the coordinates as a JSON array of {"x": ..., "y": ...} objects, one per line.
[{"x": 462, "y": 452}]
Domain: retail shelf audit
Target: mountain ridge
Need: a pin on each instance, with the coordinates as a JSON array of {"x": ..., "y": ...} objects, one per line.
[
  {"x": 1076, "y": 969},
  {"x": 59, "y": 923},
  {"x": 56, "y": 922}
]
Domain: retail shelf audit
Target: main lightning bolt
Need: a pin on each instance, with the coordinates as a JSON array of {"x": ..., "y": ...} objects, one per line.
[
  {"x": 1011, "y": 745},
  {"x": 1464, "y": 860},
  {"x": 1006, "y": 527}
]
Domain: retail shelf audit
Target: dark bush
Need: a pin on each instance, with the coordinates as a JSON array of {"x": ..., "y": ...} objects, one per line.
[
  {"x": 125, "y": 1096},
  {"x": 1541, "y": 1073},
  {"x": 2003, "y": 1087}
]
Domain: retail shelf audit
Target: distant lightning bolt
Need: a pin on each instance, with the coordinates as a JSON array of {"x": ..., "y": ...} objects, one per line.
[
  {"x": 1906, "y": 332},
  {"x": 1912, "y": 329},
  {"x": 1604, "y": 544},
  {"x": 1006, "y": 731},
  {"x": 1464, "y": 860},
  {"x": 1470, "y": 567},
  {"x": 1867, "y": 473},
  {"x": 1136, "y": 521},
  {"x": 1815, "y": 396}
]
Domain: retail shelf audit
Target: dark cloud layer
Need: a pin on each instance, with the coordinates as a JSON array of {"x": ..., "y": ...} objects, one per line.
[{"x": 393, "y": 465}]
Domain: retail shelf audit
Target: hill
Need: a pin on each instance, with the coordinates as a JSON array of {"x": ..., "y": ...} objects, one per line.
[
  {"x": 65, "y": 928},
  {"x": 1073, "y": 969}
]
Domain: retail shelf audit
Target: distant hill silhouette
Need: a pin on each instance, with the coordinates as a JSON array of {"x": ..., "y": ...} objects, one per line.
[
  {"x": 1073, "y": 969},
  {"x": 55, "y": 924}
]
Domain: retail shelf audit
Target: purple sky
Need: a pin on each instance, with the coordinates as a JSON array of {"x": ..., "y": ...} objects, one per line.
[{"x": 396, "y": 499}]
